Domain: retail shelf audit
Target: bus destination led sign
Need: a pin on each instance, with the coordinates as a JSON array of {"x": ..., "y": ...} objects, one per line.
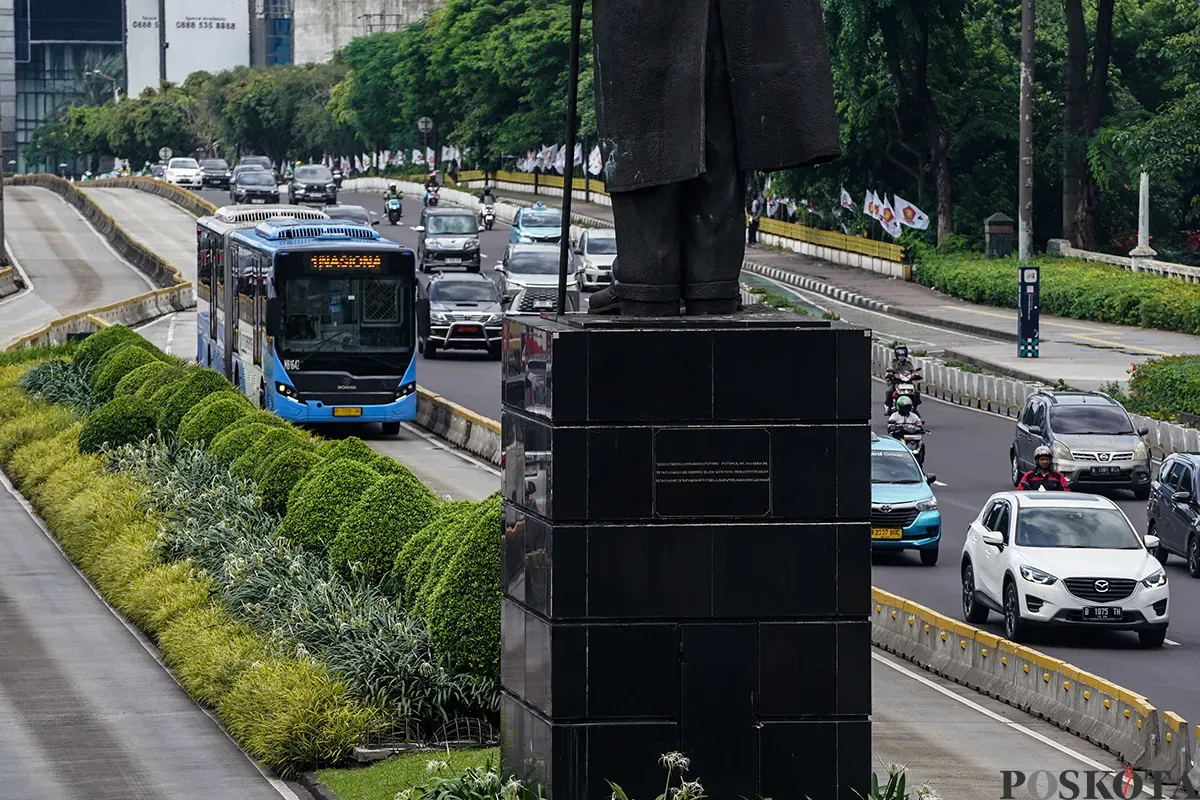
[{"x": 338, "y": 262}]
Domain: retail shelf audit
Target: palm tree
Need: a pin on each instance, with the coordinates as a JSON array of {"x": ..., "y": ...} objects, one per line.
[{"x": 96, "y": 79}]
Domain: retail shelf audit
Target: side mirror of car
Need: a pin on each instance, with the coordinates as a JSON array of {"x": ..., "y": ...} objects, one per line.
[
  {"x": 1181, "y": 497},
  {"x": 499, "y": 268},
  {"x": 1143, "y": 431},
  {"x": 374, "y": 222},
  {"x": 994, "y": 538},
  {"x": 419, "y": 229},
  {"x": 1152, "y": 541},
  {"x": 931, "y": 478},
  {"x": 481, "y": 229},
  {"x": 506, "y": 301},
  {"x": 1036, "y": 430}
]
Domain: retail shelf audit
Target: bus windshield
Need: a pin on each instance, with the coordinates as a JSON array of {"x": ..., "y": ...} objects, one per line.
[{"x": 346, "y": 315}]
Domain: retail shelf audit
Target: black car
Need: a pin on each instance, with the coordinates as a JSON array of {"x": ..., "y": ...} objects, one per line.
[
  {"x": 312, "y": 183},
  {"x": 215, "y": 172},
  {"x": 1174, "y": 509},
  {"x": 449, "y": 238},
  {"x": 254, "y": 186},
  {"x": 459, "y": 311},
  {"x": 260, "y": 161},
  {"x": 1093, "y": 440}
]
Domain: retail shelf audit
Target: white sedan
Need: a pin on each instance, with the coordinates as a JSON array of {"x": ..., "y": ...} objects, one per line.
[
  {"x": 184, "y": 172},
  {"x": 1062, "y": 559}
]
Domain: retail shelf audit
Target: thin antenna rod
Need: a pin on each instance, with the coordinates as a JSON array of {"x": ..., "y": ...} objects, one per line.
[{"x": 569, "y": 162}]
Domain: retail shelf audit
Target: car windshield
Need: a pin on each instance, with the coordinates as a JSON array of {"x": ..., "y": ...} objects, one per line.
[
  {"x": 261, "y": 161},
  {"x": 602, "y": 246},
  {"x": 464, "y": 292},
  {"x": 255, "y": 177},
  {"x": 542, "y": 219},
  {"x": 351, "y": 213},
  {"x": 339, "y": 315},
  {"x": 894, "y": 466},
  {"x": 214, "y": 163},
  {"x": 451, "y": 223},
  {"x": 184, "y": 163},
  {"x": 1079, "y": 420},
  {"x": 317, "y": 173},
  {"x": 1083, "y": 528},
  {"x": 534, "y": 263}
]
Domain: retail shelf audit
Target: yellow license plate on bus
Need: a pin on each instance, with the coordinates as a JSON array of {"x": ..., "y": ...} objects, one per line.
[
  {"x": 887, "y": 533},
  {"x": 347, "y": 412}
]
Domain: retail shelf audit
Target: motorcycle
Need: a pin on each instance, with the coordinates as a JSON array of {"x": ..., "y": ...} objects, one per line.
[
  {"x": 913, "y": 437},
  {"x": 489, "y": 216},
  {"x": 337, "y": 178},
  {"x": 431, "y": 196},
  {"x": 903, "y": 383},
  {"x": 394, "y": 210}
]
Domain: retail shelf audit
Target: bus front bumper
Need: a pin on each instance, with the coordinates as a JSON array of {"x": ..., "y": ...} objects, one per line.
[{"x": 313, "y": 412}]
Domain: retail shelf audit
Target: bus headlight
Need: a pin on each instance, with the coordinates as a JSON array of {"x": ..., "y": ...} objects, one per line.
[
  {"x": 404, "y": 390},
  {"x": 287, "y": 391}
]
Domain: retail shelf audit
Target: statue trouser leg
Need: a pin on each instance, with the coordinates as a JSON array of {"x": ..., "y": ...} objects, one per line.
[
  {"x": 685, "y": 240},
  {"x": 713, "y": 204}
]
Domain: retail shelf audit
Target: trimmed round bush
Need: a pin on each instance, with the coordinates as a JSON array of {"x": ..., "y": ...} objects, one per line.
[
  {"x": 123, "y": 420},
  {"x": 139, "y": 343},
  {"x": 133, "y": 381},
  {"x": 404, "y": 580},
  {"x": 275, "y": 441},
  {"x": 158, "y": 380},
  {"x": 97, "y": 344},
  {"x": 351, "y": 447},
  {"x": 124, "y": 360},
  {"x": 380, "y": 523},
  {"x": 263, "y": 416},
  {"x": 192, "y": 390},
  {"x": 212, "y": 416},
  {"x": 463, "y": 611},
  {"x": 280, "y": 476},
  {"x": 315, "y": 514},
  {"x": 232, "y": 442}
]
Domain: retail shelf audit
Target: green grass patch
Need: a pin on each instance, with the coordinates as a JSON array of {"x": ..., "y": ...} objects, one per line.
[
  {"x": 383, "y": 780},
  {"x": 964, "y": 367}
]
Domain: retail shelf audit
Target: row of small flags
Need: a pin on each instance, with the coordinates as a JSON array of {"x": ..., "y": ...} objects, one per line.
[
  {"x": 556, "y": 156},
  {"x": 891, "y": 215},
  {"x": 394, "y": 158}
]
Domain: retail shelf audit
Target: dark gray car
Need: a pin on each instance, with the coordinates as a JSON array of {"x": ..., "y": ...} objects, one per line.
[
  {"x": 449, "y": 238},
  {"x": 1092, "y": 437},
  {"x": 312, "y": 183},
  {"x": 1174, "y": 510},
  {"x": 459, "y": 312}
]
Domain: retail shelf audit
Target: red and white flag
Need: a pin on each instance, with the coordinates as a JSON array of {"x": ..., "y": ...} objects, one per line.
[
  {"x": 871, "y": 205},
  {"x": 847, "y": 200},
  {"x": 418, "y": 157},
  {"x": 889, "y": 220},
  {"x": 595, "y": 163},
  {"x": 909, "y": 214}
]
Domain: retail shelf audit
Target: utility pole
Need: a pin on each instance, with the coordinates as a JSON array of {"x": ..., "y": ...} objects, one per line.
[
  {"x": 1025, "y": 194},
  {"x": 3, "y": 167},
  {"x": 162, "y": 41}
]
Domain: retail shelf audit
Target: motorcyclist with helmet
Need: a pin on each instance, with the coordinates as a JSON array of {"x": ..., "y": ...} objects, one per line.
[
  {"x": 393, "y": 193},
  {"x": 900, "y": 363},
  {"x": 1044, "y": 477},
  {"x": 487, "y": 197},
  {"x": 903, "y": 415}
]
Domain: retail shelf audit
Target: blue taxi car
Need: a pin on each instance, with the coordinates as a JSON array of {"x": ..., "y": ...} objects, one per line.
[
  {"x": 536, "y": 224},
  {"x": 904, "y": 512}
]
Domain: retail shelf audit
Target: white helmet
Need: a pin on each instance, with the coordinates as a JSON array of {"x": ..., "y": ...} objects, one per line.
[{"x": 1043, "y": 451}]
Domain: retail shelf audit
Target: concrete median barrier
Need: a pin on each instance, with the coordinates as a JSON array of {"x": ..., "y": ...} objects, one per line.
[
  {"x": 459, "y": 425},
  {"x": 1107, "y": 715},
  {"x": 129, "y": 312},
  {"x": 8, "y": 281},
  {"x": 193, "y": 203}
]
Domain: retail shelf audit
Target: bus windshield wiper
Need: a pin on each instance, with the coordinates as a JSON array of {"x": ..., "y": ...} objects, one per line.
[{"x": 321, "y": 344}]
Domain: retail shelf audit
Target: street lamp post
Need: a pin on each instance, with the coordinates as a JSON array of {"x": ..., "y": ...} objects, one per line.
[
  {"x": 114, "y": 81},
  {"x": 425, "y": 126}
]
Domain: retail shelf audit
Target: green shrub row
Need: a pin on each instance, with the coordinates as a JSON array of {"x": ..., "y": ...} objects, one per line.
[
  {"x": 1163, "y": 388},
  {"x": 1069, "y": 288},
  {"x": 289, "y": 712}
]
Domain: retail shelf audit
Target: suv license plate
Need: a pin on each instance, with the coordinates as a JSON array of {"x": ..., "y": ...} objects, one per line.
[
  {"x": 1101, "y": 614},
  {"x": 1106, "y": 470},
  {"x": 887, "y": 533},
  {"x": 453, "y": 260},
  {"x": 347, "y": 412}
]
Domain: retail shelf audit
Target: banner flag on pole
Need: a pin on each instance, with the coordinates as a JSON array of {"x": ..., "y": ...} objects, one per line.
[
  {"x": 909, "y": 214},
  {"x": 595, "y": 162},
  {"x": 889, "y": 220},
  {"x": 847, "y": 200}
]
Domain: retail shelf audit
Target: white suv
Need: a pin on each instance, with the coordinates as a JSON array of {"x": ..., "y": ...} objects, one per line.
[
  {"x": 1064, "y": 559},
  {"x": 184, "y": 172}
]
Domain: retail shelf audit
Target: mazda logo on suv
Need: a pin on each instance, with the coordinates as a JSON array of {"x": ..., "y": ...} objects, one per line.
[{"x": 1102, "y": 586}]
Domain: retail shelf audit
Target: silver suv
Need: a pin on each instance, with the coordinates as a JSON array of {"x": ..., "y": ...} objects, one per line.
[{"x": 1091, "y": 436}]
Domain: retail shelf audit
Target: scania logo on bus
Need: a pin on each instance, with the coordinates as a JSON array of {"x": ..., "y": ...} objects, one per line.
[{"x": 346, "y": 385}]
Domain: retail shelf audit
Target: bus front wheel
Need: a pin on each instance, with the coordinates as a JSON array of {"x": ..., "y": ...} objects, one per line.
[{"x": 391, "y": 428}]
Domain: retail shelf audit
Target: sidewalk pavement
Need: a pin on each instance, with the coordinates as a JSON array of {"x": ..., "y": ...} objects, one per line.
[{"x": 1084, "y": 355}]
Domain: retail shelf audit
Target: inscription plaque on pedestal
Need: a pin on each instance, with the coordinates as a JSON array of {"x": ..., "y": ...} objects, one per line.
[{"x": 687, "y": 554}]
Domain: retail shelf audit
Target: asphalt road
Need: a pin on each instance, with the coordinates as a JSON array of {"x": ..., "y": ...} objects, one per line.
[
  {"x": 68, "y": 265},
  {"x": 967, "y": 450}
]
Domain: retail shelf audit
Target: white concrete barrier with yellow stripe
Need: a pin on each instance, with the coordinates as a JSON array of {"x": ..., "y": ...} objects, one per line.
[{"x": 1109, "y": 716}]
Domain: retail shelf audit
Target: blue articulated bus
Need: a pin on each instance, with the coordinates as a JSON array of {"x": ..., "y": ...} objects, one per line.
[{"x": 321, "y": 314}]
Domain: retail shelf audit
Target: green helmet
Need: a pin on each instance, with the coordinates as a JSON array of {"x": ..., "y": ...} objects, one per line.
[{"x": 904, "y": 404}]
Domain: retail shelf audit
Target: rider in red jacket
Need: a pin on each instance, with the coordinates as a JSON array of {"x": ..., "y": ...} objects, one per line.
[{"x": 1043, "y": 477}]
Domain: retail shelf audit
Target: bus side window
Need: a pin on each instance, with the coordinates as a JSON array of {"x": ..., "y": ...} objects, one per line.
[
  {"x": 258, "y": 299},
  {"x": 204, "y": 272}
]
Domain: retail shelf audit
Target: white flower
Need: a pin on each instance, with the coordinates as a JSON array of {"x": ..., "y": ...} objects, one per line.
[
  {"x": 434, "y": 765},
  {"x": 405, "y": 795},
  {"x": 512, "y": 789},
  {"x": 675, "y": 761},
  {"x": 689, "y": 790}
]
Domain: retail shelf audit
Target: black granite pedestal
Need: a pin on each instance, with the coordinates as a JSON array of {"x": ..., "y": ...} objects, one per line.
[{"x": 687, "y": 555}]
